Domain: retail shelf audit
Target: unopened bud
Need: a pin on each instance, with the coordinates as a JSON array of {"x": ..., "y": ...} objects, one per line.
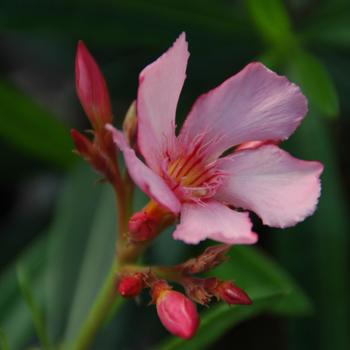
[
  {"x": 82, "y": 144},
  {"x": 130, "y": 286},
  {"x": 92, "y": 88},
  {"x": 232, "y": 294},
  {"x": 130, "y": 124},
  {"x": 142, "y": 227},
  {"x": 178, "y": 314},
  {"x": 147, "y": 223}
]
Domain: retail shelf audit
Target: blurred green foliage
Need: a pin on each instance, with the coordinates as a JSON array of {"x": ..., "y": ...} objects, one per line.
[{"x": 308, "y": 40}]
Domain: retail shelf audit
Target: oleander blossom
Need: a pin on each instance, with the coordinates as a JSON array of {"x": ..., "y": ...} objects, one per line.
[{"x": 192, "y": 176}]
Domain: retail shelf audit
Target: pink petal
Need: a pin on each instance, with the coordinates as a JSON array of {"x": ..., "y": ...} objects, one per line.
[
  {"x": 255, "y": 104},
  {"x": 216, "y": 221},
  {"x": 254, "y": 144},
  {"x": 150, "y": 182},
  {"x": 160, "y": 85},
  {"x": 281, "y": 189}
]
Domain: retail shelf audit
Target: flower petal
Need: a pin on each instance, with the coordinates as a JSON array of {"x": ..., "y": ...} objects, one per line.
[
  {"x": 281, "y": 189},
  {"x": 255, "y": 104},
  {"x": 160, "y": 85},
  {"x": 216, "y": 221},
  {"x": 150, "y": 182}
]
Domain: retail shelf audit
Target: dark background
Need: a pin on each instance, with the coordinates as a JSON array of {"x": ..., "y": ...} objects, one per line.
[{"x": 309, "y": 41}]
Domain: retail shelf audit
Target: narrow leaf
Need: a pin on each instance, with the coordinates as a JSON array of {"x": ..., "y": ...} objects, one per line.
[
  {"x": 29, "y": 127},
  {"x": 272, "y": 20},
  {"x": 34, "y": 308},
  {"x": 315, "y": 82}
]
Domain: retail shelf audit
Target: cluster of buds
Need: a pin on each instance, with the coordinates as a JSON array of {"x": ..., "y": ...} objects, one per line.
[
  {"x": 202, "y": 290},
  {"x": 176, "y": 311}
]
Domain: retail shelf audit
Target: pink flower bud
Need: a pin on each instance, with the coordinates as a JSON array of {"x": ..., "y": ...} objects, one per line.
[
  {"x": 130, "y": 286},
  {"x": 92, "y": 88},
  {"x": 178, "y": 314},
  {"x": 232, "y": 294},
  {"x": 142, "y": 227}
]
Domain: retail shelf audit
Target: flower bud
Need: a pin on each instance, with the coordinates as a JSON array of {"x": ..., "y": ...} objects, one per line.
[
  {"x": 147, "y": 223},
  {"x": 130, "y": 286},
  {"x": 232, "y": 294},
  {"x": 178, "y": 314},
  {"x": 142, "y": 227},
  {"x": 130, "y": 124},
  {"x": 92, "y": 88}
]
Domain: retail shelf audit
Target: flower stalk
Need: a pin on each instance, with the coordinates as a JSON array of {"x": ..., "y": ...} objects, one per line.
[{"x": 99, "y": 311}]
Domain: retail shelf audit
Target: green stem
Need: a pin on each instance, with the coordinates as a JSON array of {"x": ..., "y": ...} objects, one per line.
[{"x": 99, "y": 311}]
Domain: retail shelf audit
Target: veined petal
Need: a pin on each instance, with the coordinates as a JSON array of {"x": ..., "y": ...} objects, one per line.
[
  {"x": 160, "y": 85},
  {"x": 255, "y": 104},
  {"x": 214, "y": 220},
  {"x": 150, "y": 182},
  {"x": 281, "y": 189}
]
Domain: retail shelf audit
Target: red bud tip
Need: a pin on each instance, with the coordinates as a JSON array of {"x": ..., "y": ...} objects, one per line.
[
  {"x": 130, "y": 286},
  {"x": 232, "y": 294},
  {"x": 82, "y": 144},
  {"x": 92, "y": 88},
  {"x": 142, "y": 227},
  {"x": 178, "y": 314}
]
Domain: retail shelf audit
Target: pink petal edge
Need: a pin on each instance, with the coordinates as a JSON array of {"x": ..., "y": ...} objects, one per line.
[
  {"x": 216, "y": 221},
  {"x": 150, "y": 182},
  {"x": 281, "y": 189},
  {"x": 254, "y": 104},
  {"x": 160, "y": 85}
]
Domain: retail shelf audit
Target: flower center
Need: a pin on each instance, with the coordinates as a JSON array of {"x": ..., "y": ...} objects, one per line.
[{"x": 191, "y": 178}]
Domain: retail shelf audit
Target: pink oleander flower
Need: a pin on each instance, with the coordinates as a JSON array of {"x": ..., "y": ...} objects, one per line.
[{"x": 192, "y": 176}]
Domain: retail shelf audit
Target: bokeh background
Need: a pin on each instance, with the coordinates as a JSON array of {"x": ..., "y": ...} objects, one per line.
[{"x": 57, "y": 223}]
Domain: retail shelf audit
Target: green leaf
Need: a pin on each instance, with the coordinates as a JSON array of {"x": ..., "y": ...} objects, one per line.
[
  {"x": 97, "y": 260},
  {"x": 4, "y": 342},
  {"x": 68, "y": 239},
  {"x": 271, "y": 18},
  {"x": 81, "y": 251},
  {"x": 311, "y": 74},
  {"x": 15, "y": 318},
  {"x": 29, "y": 127},
  {"x": 36, "y": 312},
  {"x": 321, "y": 243},
  {"x": 254, "y": 271},
  {"x": 271, "y": 289}
]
